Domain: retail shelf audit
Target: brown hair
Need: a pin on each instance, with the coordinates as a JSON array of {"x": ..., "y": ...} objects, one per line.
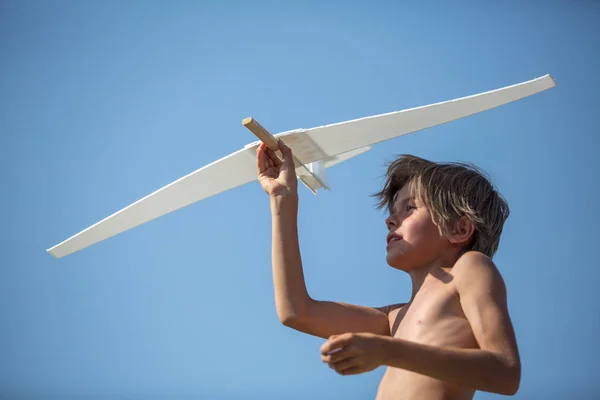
[{"x": 450, "y": 191}]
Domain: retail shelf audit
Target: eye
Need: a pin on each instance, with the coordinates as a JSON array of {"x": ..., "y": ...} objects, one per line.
[{"x": 410, "y": 207}]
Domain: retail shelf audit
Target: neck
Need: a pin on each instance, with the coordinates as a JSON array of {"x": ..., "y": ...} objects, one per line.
[{"x": 435, "y": 269}]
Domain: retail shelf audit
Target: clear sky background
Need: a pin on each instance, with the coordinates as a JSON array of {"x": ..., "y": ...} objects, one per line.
[{"x": 102, "y": 103}]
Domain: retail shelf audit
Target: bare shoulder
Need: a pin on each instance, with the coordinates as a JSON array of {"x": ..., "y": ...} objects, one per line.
[
  {"x": 475, "y": 269},
  {"x": 473, "y": 260}
]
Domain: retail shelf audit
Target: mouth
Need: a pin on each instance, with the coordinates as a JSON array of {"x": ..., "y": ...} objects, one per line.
[{"x": 393, "y": 239}]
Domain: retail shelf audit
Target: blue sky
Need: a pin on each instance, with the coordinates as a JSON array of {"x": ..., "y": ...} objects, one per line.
[{"x": 102, "y": 103}]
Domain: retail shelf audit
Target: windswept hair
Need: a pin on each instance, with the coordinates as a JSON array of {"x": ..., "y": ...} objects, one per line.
[{"x": 450, "y": 191}]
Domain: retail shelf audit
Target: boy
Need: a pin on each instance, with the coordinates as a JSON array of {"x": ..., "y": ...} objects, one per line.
[{"x": 454, "y": 336}]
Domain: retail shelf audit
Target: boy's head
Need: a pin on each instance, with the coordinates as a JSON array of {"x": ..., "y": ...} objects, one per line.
[{"x": 458, "y": 198}]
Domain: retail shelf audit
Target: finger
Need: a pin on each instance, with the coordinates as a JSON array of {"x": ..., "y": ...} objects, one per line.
[
  {"x": 285, "y": 150},
  {"x": 344, "y": 365},
  {"x": 336, "y": 342},
  {"x": 344, "y": 354},
  {"x": 330, "y": 354},
  {"x": 260, "y": 158},
  {"x": 350, "y": 371},
  {"x": 343, "y": 357},
  {"x": 337, "y": 355},
  {"x": 340, "y": 353},
  {"x": 272, "y": 156}
]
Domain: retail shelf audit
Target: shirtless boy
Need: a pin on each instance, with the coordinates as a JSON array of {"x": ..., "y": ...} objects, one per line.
[{"x": 454, "y": 336}]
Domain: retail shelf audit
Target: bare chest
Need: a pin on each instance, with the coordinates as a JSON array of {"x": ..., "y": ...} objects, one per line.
[{"x": 434, "y": 317}]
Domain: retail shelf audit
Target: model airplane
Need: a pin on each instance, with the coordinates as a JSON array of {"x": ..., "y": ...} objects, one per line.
[{"x": 314, "y": 149}]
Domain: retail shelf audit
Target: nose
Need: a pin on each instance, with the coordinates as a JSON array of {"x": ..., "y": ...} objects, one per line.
[{"x": 391, "y": 223}]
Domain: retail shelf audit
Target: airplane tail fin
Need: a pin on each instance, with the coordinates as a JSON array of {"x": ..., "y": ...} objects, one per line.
[{"x": 313, "y": 175}]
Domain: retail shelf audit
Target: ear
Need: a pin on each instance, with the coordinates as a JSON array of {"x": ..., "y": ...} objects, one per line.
[{"x": 462, "y": 231}]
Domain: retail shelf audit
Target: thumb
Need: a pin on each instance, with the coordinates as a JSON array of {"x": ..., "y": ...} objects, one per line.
[
  {"x": 288, "y": 158},
  {"x": 285, "y": 150},
  {"x": 335, "y": 342}
]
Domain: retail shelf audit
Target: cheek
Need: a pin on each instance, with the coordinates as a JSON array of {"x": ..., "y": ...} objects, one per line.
[
  {"x": 416, "y": 226},
  {"x": 421, "y": 231}
]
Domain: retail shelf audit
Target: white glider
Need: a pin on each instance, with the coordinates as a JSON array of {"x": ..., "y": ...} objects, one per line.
[{"x": 315, "y": 150}]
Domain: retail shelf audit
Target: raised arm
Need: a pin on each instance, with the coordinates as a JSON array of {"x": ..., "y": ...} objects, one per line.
[{"x": 295, "y": 308}]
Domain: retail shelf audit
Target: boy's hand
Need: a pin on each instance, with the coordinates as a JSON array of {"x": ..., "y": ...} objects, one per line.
[
  {"x": 354, "y": 353},
  {"x": 277, "y": 177}
]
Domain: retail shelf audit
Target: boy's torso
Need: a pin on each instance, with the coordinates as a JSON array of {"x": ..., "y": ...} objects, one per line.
[{"x": 435, "y": 318}]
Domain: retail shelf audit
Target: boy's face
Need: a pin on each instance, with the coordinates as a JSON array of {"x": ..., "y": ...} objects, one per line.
[{"x": 413, "y": 240}]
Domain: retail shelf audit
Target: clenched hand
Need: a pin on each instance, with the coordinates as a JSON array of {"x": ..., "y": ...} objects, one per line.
[
  {"x": 277, "y": 177},
  {"x": 354, "y": 353}
]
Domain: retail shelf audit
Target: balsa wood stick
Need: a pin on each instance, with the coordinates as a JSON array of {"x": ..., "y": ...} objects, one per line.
[{"x": 271, "y": 141}]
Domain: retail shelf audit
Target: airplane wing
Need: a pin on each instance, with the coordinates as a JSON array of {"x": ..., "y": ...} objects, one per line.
[
  {"x": 329, "y": 140},
  {"x": 330, "y": 144},
  {"x": 227, "y": 173}
]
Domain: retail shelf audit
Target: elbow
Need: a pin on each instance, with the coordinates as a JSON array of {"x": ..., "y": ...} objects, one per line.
[
  {"x": 293, "y": 315},
  {"x": 291, "y": 318},
  {"x": 514, "y": 380},
  {"x": 288, "y": 319},
  {"x": 510, "y": 381},
  {"x": 294, "y": 321}
]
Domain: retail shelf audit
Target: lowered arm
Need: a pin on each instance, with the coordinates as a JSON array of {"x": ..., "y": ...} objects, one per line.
[{"x": 495, "y": 366}]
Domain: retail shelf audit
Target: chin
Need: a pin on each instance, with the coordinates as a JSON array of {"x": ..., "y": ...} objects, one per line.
[
  {"x": 403, "y": 260},
  {"x": 398, "y": 262}
]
